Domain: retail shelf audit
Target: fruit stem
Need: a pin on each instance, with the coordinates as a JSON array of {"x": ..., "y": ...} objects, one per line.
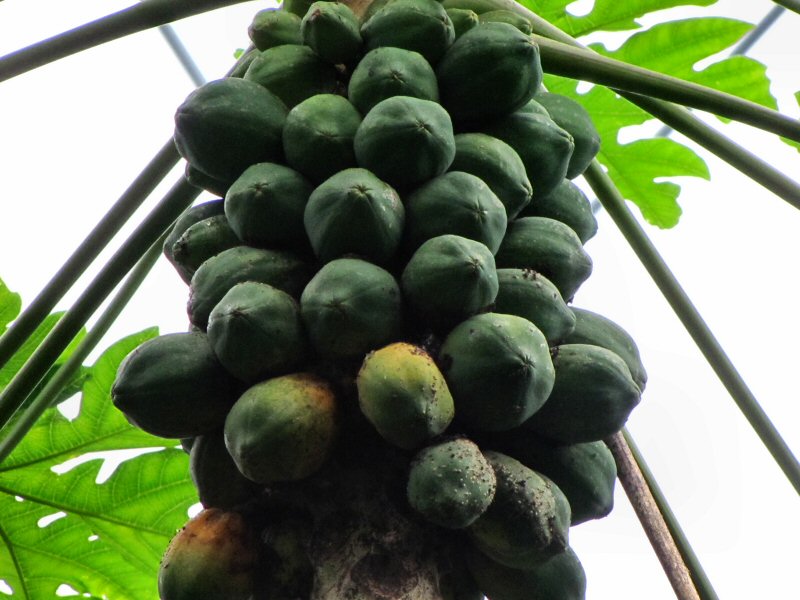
[{"x": 651, "y": 519}]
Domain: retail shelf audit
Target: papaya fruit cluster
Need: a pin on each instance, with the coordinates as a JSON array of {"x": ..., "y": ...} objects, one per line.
[{"x": 387, "y": 270}]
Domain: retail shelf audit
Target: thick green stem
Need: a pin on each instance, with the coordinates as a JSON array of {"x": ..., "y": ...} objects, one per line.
[
  {"x": 614, "y": 204},
  {"x": 176, "y": 200},
  {"x": 699, "y": 577},
  {"x": 89, "y": 249},
  {"x": 62, "y": 377},
  {"x": 569, "y": 61},
  {"x": 141, "y": 16}
]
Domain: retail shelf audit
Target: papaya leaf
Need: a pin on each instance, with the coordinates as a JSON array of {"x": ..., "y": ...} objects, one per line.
[
  {"x": 10, "y": 305},
  {"x": 102, "y": 540}
]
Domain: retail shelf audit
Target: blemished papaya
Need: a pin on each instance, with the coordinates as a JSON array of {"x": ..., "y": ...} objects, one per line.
[
  {"x": 574, "y": 118},
  {"x": 332, "y": 31},
  {"x": 566, "y": 203}
]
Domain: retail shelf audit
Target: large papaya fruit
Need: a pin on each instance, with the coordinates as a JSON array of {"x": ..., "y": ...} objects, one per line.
[{"x": 573, "y": 117}]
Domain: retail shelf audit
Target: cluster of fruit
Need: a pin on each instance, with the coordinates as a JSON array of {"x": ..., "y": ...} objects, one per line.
[{"x": 387, "y": 274}]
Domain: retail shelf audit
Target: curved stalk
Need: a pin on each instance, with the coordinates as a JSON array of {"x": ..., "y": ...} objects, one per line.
[
  {"x": 141, "y": 16},
  {"x": 89, "y": 249},
  {"x": 44, "y": 399},
  {"x": 567, "y": 60},
  {"x": 614, "y": 204},
  {"x": 176, "y": 200}
]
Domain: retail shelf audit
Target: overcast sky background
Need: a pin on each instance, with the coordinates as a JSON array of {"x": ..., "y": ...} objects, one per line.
[{"x": 74, "y": 134}]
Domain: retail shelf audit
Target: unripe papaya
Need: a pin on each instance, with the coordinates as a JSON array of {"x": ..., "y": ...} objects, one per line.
[
  {"x": 592, "y": 396},
  {"x": 405, "y": 141},
  {"x": 531, "y": 295},
  {"x": 218, "y": 274},
  {"x": 404, "y": 395},
  {"x": 226, "y": 125},
  {"x": 497, "y": 164},
  {"x": 528, "y": 520},
  {"x": 219, "y": 482},
  {"x": 271, "y": 27},
  {"x": 256, "y": 332},
  {"x": 214, "y": 557},
  {"x": 190, "y": 216},
  {"x": 203, "y": 181},
  {"x": 265, "y": 205},
  {"x": 385, "y": 72},
  {"x": 448, "y": 279},
  {"x": 451, "y": 483},
  {"x": 592, "y": 328},
  {"x": 507, "y": 16},
  {"x": 499, "y": 370},
  {"x": 549, "y": 247},
  {"x": 200, "y": 242},
  {"x": 463, "y": 20},
  {"x": 573, "y": 117},
  {"x": 331, "y": 29},
  {"x": 544, "y": 147},
  {"x": 351, "y": 307},
  {"x": 354, "y": 212},
  {"x": 491, "y": 70},
  {"x": 478, "y": 6},
  {"x": 419, "y": 25},
  {"x": 293, "y": 73},
  {"x": 455, "y": 203},
  {"x": 282, "y": 429},
  {"x": 241, "y": 66},
  {"x": 558, "y": 578},
  {"x": 173, "y": 386},
  {"x": 568, "y": 204}
]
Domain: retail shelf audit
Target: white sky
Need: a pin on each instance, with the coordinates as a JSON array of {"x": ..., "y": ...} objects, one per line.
[{"x": 75, "y": 133}]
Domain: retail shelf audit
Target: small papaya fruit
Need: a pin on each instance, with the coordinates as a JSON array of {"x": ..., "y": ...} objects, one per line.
[
  {"x": 568, "y": 204},
  {"x": 282, "y": 429},
  {"x": 351, "y": 307},
  {"x": 592, "y": 397},
  {"x": 549, "y": 247},
  {"x": 404, "y": 395},
  {"x": 463, "y": 20},
  {"x": 219, "y": 482},
  {"x": 200, "y": 242},
  {"x": 451, "y": 484},
  {"x": 531, "y": 295},
  {"x": 507, "y": 16},
  {"x": 499, "y": 370},
  {"x": 478, "y": 6},
  {"x": 574, "y": 118},
  {"x": 332, "y": 31},
  {"x": 214, "y": 556},
  {"x": 385, "y": 72},
  {"x": 271, "y": 27},
  {"x": 203, "y": 181},
  {"x": 405, "y": 141},
  {"x": 190, "y": 216}
]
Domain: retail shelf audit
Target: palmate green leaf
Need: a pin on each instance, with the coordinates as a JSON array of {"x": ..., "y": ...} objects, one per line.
[{"x": 110, "y": 540}]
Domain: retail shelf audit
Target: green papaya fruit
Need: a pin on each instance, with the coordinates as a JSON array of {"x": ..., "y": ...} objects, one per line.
[
  {"x": 498, "y": 165},
  {"x": 544, "y": 147},
  {"x": 271, "y": 27},
  {"x": 297, "y": 7},
  {"x": 491, "y": 70},
  {"x": 213, "y": 279},
  {"x": 318, "y": 136},
  {"x": 448, "y": 279},
  {"x": 354, "y": 212},
  {"x": 419, "y": 25},
  {"x": 332, "y": 31},
  {"x": 568, "y": 204},
  {"x": 351, "y": 307},
  {"x": 403, "y": 394},
  {"x": 455, "y": 203},
  {"x": 200, "y": 242},
  {"x": 293, "y": 73},
  {"x": 463, "y": 20},
  {"x": 477, "y": 6},
  {"x": 451, "y": 484},
  {"x": 549, "y": 247},
  {"x": 256, "y": 332},
  {"x": 193, "y": 214},
  {"x": 243, "y": 63},
  {"x": 173, "y": 386},
  {"x": 214, "y": 556},
  {"x": 405, "y": 141},
  {"x": 592, "y": 397},
  {"x": 531, "y": 295},
  {"x": 560, "y": 577},
  {"x": 592, "y": 328},
  {"x": 265, "y": 206},
  {"x": 226, "y": 125},
  {"x": 499, "y": 370},
  {"x": 385, "y": 72},
  {"x": 570, "y": 115},
  {"x": 507, "y": 16},
  {"x": 217, "y": 479},
  {"x": 282, "y": 429},
  {"x": 528, "y": 519},
  {"x": 205, "y": 182}
]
